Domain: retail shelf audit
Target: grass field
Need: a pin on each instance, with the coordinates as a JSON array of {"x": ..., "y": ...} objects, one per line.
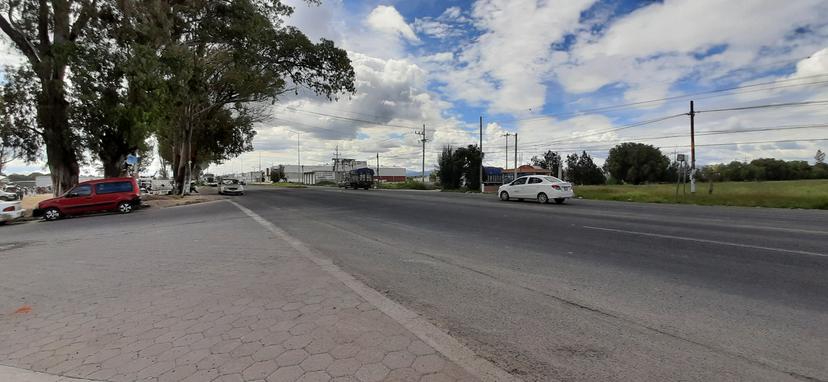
[
  {"x": 407, "y": 185},
  {"x": 811, "y": 194}
]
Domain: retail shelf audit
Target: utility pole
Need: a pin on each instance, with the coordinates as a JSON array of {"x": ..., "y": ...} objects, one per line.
[
  {"x": 692, "y": 115},
  {"x": 424, "y": 140},
  {"x": 507, "y": 135},
  {"x": 516, "y": 166},
  {"x": 336, "y": 165},
  {"x": 482, "y": 186},
  {"x": 378, "y": 174},
  {"x": 299, "y": 157}
]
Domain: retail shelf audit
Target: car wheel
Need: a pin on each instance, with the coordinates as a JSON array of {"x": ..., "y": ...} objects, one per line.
[
  {"x": 542, "y": 198},
  {"x": 124, "y": 207},
  {"x": 51, "y": 214},
  {"x": 504, "y": 196},
  {"x": 560, "y": 200}
]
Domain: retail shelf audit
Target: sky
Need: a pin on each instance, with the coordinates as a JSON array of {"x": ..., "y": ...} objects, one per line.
[{"x": 566, "y": 75}]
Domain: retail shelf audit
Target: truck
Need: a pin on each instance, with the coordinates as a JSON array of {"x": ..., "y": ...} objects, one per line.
[{"x": 358, "y": 178}]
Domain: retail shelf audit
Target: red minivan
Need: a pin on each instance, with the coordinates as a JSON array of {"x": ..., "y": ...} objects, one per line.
[{"x": 112, "y": 194}]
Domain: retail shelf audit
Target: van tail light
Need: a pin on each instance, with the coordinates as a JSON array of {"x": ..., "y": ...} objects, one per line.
[
  {"x": 8, "y": 209},
  {"x": 556, "y": 187}
]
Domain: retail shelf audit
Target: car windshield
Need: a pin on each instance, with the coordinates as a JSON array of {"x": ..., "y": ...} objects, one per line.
[
  {"x": 230, "y": 181},
  {"x": 551, "y": 179}
]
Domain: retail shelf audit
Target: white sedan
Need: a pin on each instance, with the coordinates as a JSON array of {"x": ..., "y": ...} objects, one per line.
[
  {"x": 10, "y": 211},
  {"x": 542, "y": 188},
  {"x": 231, "y": 186}
]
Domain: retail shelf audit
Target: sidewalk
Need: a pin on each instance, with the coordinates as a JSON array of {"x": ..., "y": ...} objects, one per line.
[{"x": 212, "y": 298}]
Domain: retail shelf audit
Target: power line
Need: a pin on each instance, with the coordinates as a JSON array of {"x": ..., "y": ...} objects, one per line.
[
  {"x": 357, "y": 120},
  {"x": 681, "y": 96},
  {"x": 599, "y": 148},
  {"x": 348, "y": 118},
  {"x": 700, "y": 133},
  {"x": 614, "y": 129},
  {"x": 787, "y": 104}
]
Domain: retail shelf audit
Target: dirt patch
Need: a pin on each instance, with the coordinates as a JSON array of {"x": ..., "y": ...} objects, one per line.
[
  {"x": 163, "y": 201},
  {"x": 29, "y": 202}
]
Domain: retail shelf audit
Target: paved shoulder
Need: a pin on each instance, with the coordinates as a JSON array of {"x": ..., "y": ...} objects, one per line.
[{"x": 200, "y": 294}]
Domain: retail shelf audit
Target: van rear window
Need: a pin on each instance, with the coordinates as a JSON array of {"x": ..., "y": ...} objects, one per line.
[{"x": 113, "y": 187}]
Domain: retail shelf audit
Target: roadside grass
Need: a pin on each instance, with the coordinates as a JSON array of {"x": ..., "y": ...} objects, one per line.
[
  {"x": 811, "y": 194},
  {"x": 285, "y": 185},
  {"x": 407, "y": 185}
]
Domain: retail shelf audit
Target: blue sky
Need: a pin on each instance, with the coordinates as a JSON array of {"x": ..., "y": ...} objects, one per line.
[{"x": 539, "y": 68}]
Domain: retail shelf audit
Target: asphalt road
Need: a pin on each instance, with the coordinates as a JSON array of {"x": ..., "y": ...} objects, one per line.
[{"x": 588, "y": 290}]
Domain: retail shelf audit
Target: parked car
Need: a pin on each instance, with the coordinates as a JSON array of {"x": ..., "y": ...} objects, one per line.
[
  {"x": 112, "y": 194},
  {"x": 542, "y": 188},
  {"x": 230, "y": 186},
  {"x": 10, "y": 211},
  {"x": 7, "y": 196}
]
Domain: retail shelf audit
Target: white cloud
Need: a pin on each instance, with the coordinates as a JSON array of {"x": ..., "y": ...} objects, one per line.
[
  {"x": 816, "y": 64},
  {"x": 386, "y": 19},
  {"x": 507, "y": 65},
  {"x": 659, "y": 44}
]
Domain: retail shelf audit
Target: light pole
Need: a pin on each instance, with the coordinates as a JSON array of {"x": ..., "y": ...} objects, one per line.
[{"x": 299, "y": 156}]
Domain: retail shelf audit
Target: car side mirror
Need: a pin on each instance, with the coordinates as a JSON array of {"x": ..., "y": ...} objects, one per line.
[{"x": 72, "y": 195}]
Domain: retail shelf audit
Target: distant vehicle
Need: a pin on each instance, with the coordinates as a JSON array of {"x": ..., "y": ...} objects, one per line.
[
  {"x": 161, "y": 186},
  {"x": 210, "y": 180},
  {"x": 7, "y": 196},
  {"x": 542, "y": 188},
  {"x": 10, "y": 211},
  {"x": 230, "y": 186},
  {"x": 113, "y": 194},
  {"x": 359, "y": 178}
]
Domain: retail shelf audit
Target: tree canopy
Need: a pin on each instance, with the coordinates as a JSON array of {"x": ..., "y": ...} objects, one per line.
[
  {"x": 636, "y": 163},
  {"x": 460, "y": 167},
  {"x": 197, "y": 74}
]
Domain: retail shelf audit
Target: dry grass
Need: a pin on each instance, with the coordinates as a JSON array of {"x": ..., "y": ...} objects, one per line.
[{"x": 811, "y": 194}]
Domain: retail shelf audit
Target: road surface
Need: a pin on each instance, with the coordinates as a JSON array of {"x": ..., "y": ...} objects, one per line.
[{"x": 588, "y": 290}]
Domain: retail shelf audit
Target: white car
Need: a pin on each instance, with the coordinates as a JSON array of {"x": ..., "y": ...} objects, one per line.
[
  {"x": 540, "y": 187},
  {"x": 10, "y": 211},
  {"x": 7, "y": 196},
  {"x": 230, "y": 186}
]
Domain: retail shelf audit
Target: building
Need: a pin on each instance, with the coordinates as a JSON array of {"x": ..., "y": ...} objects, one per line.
[
  {"x": 308, "y": 174},
  {"x": 390, "y": 174},
  {"x": 314, "y": 174}
]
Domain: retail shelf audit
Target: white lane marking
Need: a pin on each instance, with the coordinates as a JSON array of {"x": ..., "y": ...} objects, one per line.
[
  {"x": 708, "y": 241},
  {"x": 419, "y": 326}
]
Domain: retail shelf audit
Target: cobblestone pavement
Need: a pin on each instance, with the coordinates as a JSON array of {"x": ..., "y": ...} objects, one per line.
[{"x": 195, "y": 293}]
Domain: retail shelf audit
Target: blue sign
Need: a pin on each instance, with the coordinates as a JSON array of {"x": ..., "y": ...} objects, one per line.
[{"x": 132, "y": 160}]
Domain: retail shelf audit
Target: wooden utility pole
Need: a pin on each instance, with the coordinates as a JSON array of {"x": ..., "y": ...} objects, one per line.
[
  {"x": 378, "y": 174},
  {"x": 482, "y": 187},
  {"x": 423, "y": 140},
  {"x": 507, "y": 135},
  {"x": 516, "y": 166},
  {"x": 692, "y": 149}
]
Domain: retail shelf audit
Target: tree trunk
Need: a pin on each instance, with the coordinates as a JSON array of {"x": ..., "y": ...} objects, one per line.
[
  {"x": 181, "y": 168},
  {"x": 113, "y": 168},
  {"x": 61, "y": 155}
]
